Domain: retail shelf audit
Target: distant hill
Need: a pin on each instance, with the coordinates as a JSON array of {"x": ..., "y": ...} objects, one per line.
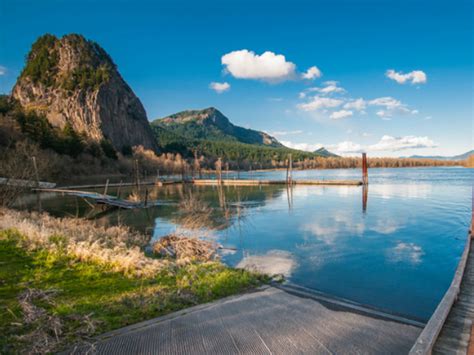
[
  {"x": 210, "y": 124},
  {"x": 438, "y": 157},
  {"x": 211, "y": 134},
  {"x": 325, "y": 153}
]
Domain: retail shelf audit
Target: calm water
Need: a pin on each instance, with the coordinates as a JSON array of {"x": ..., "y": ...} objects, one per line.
[{"x": 397, "y": 253}]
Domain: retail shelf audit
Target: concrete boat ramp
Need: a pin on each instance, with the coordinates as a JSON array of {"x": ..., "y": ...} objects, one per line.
[{"x": 268, "y": 321}]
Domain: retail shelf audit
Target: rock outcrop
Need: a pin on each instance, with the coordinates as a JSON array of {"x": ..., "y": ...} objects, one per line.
[{"x": 74, "y": 81}]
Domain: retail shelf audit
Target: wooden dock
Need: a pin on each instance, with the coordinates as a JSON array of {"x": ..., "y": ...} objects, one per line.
[
  {"x": 450, "y": 328},
  {"x": 116, "y": 202},
  {"x": 246, "y": 182}
]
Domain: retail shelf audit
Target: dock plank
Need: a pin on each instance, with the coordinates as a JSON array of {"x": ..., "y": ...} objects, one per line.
[{"x": 456, "y": 332}]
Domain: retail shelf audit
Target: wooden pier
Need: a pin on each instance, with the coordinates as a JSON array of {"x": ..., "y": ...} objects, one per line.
[
  {"x": 245, "y": 182},
  {"x": 450, "y": 329}
]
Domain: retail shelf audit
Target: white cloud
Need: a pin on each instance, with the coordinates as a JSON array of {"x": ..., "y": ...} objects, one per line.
[
  {"x": 358, "y": 105},
  {"x": 312, "y": 73},
  {"x": 328, "y": 88},
  {"x": 386, "y": 101},
  {"x": 414, "y": 77},
  {"x": 318, "y": 102},
  {"x": 3, "y": 70},
  {"x": 346, "y": 147},
  {"x": 308, "y": 147},
  {"x": 389, "y": 143},
  {"x": 340, "y": 114},
  {"x": 219, "y": 87},
  {"x": 245, "y": 64},
  {"x": 391, "y": 107},
  {"x": 284, "y": 133}
]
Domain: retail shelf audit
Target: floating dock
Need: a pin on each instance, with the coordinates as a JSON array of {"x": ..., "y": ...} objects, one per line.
[{"x": 245, "y": 182}]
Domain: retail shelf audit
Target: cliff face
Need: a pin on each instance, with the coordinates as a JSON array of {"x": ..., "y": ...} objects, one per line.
[{"x": 73, "y": 81}]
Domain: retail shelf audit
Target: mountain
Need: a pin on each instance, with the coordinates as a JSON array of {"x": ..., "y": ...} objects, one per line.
[
  {"x": 210, "y": 124},
  {"x": 437, "y": 157},
  {"x": 325, "y": 153},
  {"x": 210, "y": 134},
  {"x": 75, "y": 84}
]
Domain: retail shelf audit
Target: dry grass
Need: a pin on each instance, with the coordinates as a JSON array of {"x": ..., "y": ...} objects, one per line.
[
  {"x": 185, "y": 250},
  {"x": 117, "y": 247}
]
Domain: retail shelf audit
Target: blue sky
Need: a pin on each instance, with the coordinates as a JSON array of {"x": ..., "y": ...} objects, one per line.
[{"x": 171, "y": 51}]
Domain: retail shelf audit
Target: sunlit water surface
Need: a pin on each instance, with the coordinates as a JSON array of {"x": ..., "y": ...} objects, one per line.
[{"x": 397, "y": 251}]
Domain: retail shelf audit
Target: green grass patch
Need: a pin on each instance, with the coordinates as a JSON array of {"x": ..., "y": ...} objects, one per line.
[{"x": 90, "y": 299}]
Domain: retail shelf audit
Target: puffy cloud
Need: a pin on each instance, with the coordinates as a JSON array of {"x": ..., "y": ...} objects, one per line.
[
  {"x": 3, "y": 70},
  {"x": 389, "y": 143},
  {"x": 391, "y": 107},
  {"x": 245, "y": 64},
  {"x": 341, "y": 114},
  {"x": 219, "y": 87},
  {"x": 346, "y": 147},
  {"x": 328, "y": 88},
  {"x": 387, "y": 101},
  {"x": 414, "y": 77},
  {"x": 318, "y": 102},
  {"x": 358, "y": 105},
  {"x": 308, "y": 147},
  {"x": 312, "y": 73}
]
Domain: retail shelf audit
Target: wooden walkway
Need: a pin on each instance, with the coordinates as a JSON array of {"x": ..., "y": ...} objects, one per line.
[
  {"x": 268, "y": 321},
  {"x": 456, "y": 333},
  {"x": 248, "y": 182}
]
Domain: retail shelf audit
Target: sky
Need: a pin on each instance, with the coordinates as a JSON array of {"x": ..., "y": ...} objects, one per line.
[{"x": 392, "y": 78}]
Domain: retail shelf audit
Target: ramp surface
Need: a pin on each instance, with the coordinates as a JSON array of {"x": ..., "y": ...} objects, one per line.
[{"x": 269, "y": 321}]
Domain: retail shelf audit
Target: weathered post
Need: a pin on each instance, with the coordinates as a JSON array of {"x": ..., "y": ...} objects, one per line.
[
  {"x": 137, "y": 177},
  {"x": 219, "y": 170},
  {"x": 119, "y": 190},
  {"x": 365, "y": 195},
  {"x": 365, "y": 176},
  {"x": 38, "y": 198},
  {"x": 290, "y": 168},
  {"x": 146, "y": 197},
  {"x": 106, "y": 187}
]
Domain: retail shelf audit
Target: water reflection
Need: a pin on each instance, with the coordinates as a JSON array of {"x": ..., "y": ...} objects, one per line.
[
  {"x": 406, "y": 252},
  {"x": 405, "y": 241},
  {"x": 274, "y": 262}
]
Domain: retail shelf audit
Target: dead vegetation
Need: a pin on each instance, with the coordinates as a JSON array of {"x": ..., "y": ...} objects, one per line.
[
  {"x": 118, "y": 247},
  {"x": 184, "y": 249}
]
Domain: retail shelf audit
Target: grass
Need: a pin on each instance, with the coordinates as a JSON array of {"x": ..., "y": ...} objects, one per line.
[{"x": 70, "y": 300}]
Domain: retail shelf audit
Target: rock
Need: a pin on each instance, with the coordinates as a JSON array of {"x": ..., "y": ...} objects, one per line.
[{"x": 74, "y": 81}]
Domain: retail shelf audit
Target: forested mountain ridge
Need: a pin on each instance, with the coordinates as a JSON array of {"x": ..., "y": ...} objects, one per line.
[{"x": 211, "y": 124}]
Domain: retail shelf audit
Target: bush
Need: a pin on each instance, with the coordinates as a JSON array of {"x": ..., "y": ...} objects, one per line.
[{"x": 108, "y": 149}]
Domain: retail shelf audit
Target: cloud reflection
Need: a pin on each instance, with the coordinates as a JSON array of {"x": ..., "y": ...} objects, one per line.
[
  {"x": 406, "y": 252},
  {"x": 272, "y": 263}
]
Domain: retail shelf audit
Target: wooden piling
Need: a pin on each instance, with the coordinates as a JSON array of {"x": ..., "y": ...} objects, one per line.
[
  {"x": 106, "y": 187},
  {"x": 365, "y": 175},
  {"x": 38, "y": 198},
  {"x": 365, "y": 195}
]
